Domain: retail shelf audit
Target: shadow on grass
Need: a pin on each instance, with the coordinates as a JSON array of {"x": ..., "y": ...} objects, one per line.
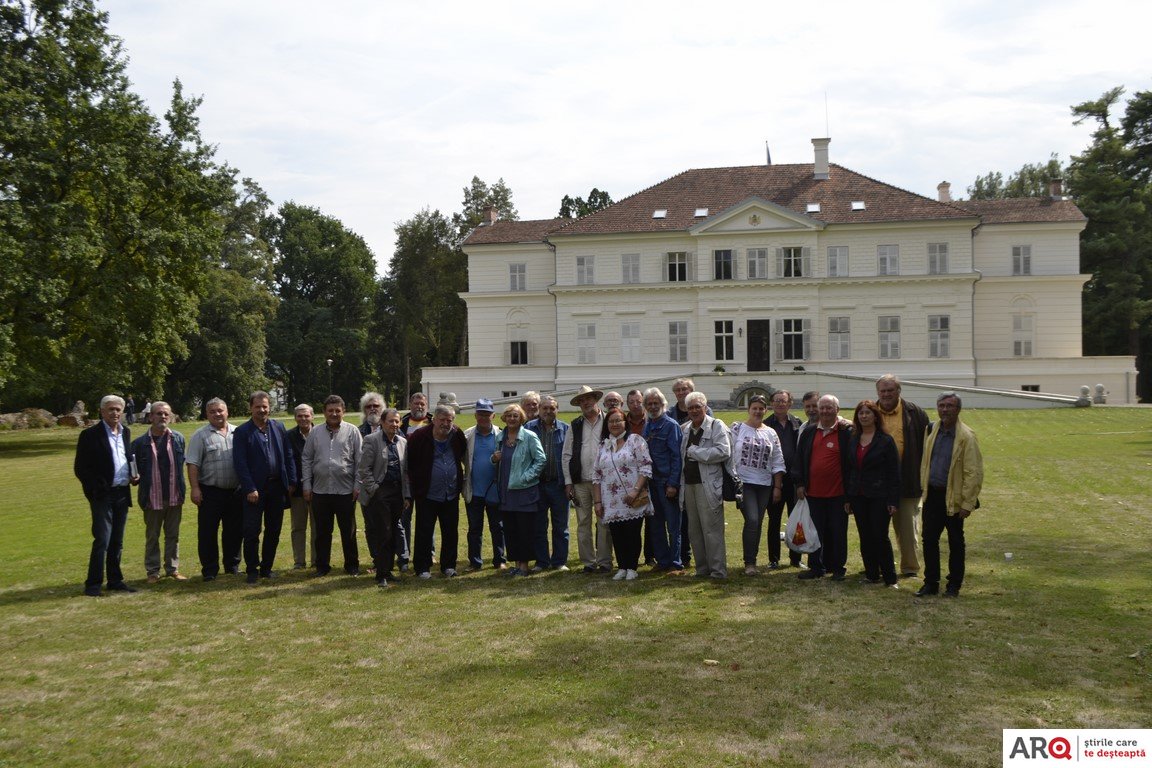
[{"x": 33, "y": 447}]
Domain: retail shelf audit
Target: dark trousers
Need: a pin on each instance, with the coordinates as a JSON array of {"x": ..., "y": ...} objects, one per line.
[
  {"x": 872, "y": 522},
  {"x": 269, "y": 511},
  {"x": 649, "y": 550},
  {"x": 221, "y": 509},
  {"x": 384, "y": 510},
  {"x": 402, "y": 536},
  {"x": 775, "y": 516},
  {"x": 936, "y": 521},
  {"x": 668, "y": 526},
  {"x": 370, "y": 535},
  {"x": 553, "y": 511},
  {"x": 831, "y": 523},
  {"x": 626, "y": 542},
  {"x": 428, "y": 513},
  {"x": 476, "y": 510},
  {"x": 109, "y": 518},
  {"x": 341, "y": 509},
  {"x": 520, "y": 534}
]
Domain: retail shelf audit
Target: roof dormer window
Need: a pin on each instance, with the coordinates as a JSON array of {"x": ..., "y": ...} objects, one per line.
[
  {"x": 857, "y": 205},
  {"x": 813, "y": 207},
  {"x": 660, "y": 213},
  {"x": 701, "y": 212}
]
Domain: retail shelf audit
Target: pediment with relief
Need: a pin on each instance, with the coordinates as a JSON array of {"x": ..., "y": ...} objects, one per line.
[{"x": 756, "y": 215}]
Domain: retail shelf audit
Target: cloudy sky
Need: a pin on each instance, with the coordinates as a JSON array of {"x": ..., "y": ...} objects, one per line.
[{"x": 371, "y": 111}]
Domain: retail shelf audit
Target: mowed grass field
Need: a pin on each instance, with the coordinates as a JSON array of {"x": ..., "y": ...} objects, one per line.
[{"x": 563, "y": 669}]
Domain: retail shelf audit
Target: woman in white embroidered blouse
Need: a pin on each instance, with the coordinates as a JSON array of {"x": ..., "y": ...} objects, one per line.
[
  {"x": 759, "y": 464},
  {"x": 620, "y": 490}
]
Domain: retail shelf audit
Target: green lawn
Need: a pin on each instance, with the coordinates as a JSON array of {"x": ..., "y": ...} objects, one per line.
[{"x": 562, "y": 669}]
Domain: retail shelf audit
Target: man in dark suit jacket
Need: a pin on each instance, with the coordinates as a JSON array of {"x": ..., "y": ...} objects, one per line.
[
  {"x": 262, "y": 455},
  {"x": 436, "y": 477},
  {"x": 103, "y": 469}
]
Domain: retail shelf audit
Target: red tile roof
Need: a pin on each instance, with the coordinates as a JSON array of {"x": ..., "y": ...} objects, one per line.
[
  {"x": 1023, "y": 210},
  {"x": 789, "y": 186}
]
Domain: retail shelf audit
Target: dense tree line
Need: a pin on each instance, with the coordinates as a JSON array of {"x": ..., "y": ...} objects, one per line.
[{"x": 1111, "y": 182}]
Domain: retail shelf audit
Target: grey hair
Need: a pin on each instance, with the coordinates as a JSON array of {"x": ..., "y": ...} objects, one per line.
[
  {"x": 945, "y": 395},
  {"x": 157, "y": 403},
  {"x": 215, "y": 401},
  {"x": 442, "y": 409},
  {"x": 371, "y": 397},
  {"x": 111, "y": 399},
  {"x": 891, "y": 379},
  {"x": 835, "y": 400},
  {"x": 530, "y": 395},
  {"x": 696, "y": 397},
  {"x": 303, "y": 407},
  {"x": 388, "y": 412},
  {"x": 686, "y": 381},
  {"x": 655, "y": 392},
  {"x": 550, "y": 399}
]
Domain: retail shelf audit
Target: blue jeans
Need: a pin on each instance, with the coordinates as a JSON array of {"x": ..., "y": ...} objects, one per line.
[
  {"x": 476, "y": 510},
  {"x": 109, "y": 517},
  {"x": 667, "y": 526},
  {"x": 554, "y": 509}
]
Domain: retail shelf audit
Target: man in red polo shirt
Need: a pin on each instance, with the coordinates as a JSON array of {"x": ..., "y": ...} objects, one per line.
[{"x": 821, "y": 468}]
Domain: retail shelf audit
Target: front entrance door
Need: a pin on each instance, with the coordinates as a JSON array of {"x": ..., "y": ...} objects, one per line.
[{"x": 759, "y": 345}]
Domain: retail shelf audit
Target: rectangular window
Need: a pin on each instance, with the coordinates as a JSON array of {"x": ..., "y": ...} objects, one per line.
[
  {"x": 585, "y": 270},
  {"x": 837, "y": 261},
  {"x": 677, "y": 267},
  {"x": 937, "y": 258},
  {"x": 722, "y": 265},
  {"x": 792, "y": 262},
  {"x": 887, "y": 259},
  {"x": 939, "y": 335},
  {"x": 757, "y": 263},
  {"x": 725, "y": 340},
  {"x": 509, "y": 393},
  {"x": 1021, "y": 259},
  {"x": 839, "y": 338},
  {"x": 889, "y": 326},
  {"x": 518, "y": 353},
  {"x": 1022, "y": 335},
  {"x": 517, "y": 277},
  {"x": 586, "y": 343},
  {"x": 792, "y": 339},
  {"x": 1029, "y": 387},
  {"x": 630, "y": 343},
  {"x": 678, "y": 341},
  {"x": 630, "y": 268}
]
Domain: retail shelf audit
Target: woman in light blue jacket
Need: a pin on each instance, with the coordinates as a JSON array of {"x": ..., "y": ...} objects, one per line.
[{"x": 521, "y": 459}]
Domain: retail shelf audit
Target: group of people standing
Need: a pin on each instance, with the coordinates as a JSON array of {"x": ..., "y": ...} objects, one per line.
[{"x": 647, "y": 482}]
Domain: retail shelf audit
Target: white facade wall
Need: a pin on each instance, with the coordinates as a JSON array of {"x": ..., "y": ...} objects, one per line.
[{"x": 979, "y": 296}]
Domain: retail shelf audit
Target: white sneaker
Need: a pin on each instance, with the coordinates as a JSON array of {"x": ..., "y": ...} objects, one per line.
[
  {"x": 563, "y": 568},
  {"x": 449, "y": 572},
  {"x": 425, "y": 575},
  {"x": 631, "y": 575},
  {"x": 620, "y": 575}
]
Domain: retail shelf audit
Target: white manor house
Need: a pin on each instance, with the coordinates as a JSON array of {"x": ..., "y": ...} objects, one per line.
[{"x": 757, "y": 270}]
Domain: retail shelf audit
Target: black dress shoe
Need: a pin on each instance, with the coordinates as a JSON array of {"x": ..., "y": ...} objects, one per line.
[
  {"x": 93, "y": 592},
  {"x": 838, "y": 577},
  {"x": 323, "y": 571},
  {"x": 926, "y": 591},
  {"x": 269, "y": 574},
  {"x": 811, "y": 575},
  {"x": 253, "y": 578},
  {"x": 120, "y": 587},
  {"x": 209, "y": 577},
  {"x": 951, "y": 592}
]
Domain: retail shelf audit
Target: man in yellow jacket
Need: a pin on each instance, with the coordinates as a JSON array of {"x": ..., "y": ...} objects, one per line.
[{"x": 951, "y": 474}]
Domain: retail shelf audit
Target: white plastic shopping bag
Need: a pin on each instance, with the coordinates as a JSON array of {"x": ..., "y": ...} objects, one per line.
[{"x": 801, "y": 533}]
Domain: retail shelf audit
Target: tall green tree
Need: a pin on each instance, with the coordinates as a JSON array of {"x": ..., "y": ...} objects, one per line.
[
  {"x": 325, "y": 279},
  {"x": 478, "y": 197},
  {"x": 1030, "y": 181},
  {"x": 1110, "y": 183},
  {"x": 577, "y": 207},
  {"x": 425, "y": 277},
  {"x": 107, "y": 217},
  {"x": 227, "y": 344}
]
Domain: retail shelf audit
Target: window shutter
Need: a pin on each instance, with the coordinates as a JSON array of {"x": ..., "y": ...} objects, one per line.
[
  {"x": 508, "y": 353},
  {"x": 779, "y": 262},
  {"x": 806, "y": 263},
  {"x": 807, "y": 331},
  {"x": 779, "y": 335}
]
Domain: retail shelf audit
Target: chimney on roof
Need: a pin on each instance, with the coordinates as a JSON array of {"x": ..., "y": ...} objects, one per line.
[
  {"x": 1056, "y": 189},
  {"x": 820, "y": 169},
  {"x": 491, "y": 214},
  {"x": 944, "y": 192}
]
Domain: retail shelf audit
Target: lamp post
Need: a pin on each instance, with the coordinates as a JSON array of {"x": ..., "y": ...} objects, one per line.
[{"x": 329, "y": 361}]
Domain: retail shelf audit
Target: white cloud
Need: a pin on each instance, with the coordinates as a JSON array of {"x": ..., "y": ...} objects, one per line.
[{"x": 372, "y": 111}]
